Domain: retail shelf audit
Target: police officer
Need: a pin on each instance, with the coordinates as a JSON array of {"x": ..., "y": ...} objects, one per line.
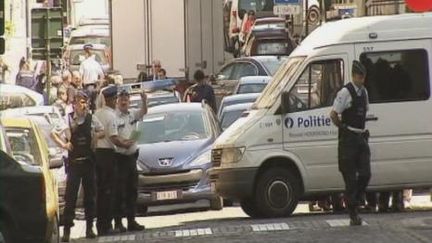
[
  {"x": 105, "y": 160},
  {"x": 81, "y": 129},
  {"x": 351, "y": 104},
  {"x": 127, "y": 180}
]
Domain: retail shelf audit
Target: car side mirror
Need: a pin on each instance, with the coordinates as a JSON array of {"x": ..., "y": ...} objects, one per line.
[{"x": 285, "y": 102}]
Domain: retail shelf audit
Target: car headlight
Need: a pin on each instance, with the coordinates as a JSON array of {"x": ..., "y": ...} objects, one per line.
[
  {"x": 232, "y": 155},
  {"x": 203, "y": 159}
]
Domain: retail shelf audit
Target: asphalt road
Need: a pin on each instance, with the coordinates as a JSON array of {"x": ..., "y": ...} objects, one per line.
[{"x": 232, "y": 225}]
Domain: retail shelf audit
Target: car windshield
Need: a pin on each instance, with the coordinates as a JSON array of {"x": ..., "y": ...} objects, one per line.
[
  {"x": 273, "y": 64},
  {"x": 15, "y": 100},
  {"x": 173, "y": 126},
  {"x": 23, "y": 145},
  {"x": 82, "y": 40},
  {"x": 230, "y": 117},
  {"x": 251, "y": 88},
  {"x": 77, "y": 56},
  {"x": 46, "y": 132},
  {"x": 278, "y": 83},
  {"x": 256, "y": 5}
]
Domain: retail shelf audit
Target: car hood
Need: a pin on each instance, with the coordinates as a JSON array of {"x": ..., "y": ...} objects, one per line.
[{"x": 171, "y": 156}]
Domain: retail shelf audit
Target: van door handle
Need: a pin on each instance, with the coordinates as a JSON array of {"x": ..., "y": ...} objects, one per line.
[{"x": 371, "y": 118}]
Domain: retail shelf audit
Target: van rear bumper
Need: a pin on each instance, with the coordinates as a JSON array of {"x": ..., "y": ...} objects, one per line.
[{"x": 234, "y": 184}]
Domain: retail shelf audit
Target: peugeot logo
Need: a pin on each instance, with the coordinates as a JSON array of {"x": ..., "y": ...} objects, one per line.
[{"x": 165, "y": 162}]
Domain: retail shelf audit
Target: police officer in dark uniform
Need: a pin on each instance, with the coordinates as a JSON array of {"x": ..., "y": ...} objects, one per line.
[
  {"x": 349, "y": 115},
  {"x": 81, "y": 129}
]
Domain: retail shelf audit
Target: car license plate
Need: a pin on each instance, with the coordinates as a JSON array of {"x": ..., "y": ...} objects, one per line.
[{"x": 167, "y": 195}]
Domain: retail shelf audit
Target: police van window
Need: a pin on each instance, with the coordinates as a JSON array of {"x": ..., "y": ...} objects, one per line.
[
  {"x": 317, "y": 86},
  {"x": 396, "y": 76}
]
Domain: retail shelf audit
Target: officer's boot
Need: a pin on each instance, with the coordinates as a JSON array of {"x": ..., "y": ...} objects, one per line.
[
  {"x": 354, "y": 217},
  {"x": 89, "y": 231},
  {"x": 134, "y": 226},
  {"x": 119, "y": 225},
  {"x": 66, "y": 234}
]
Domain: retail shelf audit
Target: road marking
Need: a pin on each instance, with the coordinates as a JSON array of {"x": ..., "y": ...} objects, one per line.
[
  {"x": 193, "y": 232},
  {"x": 121, "y": 238},
  {"x": 341, "y": 222},
  {"x": 270, "y": 227}
]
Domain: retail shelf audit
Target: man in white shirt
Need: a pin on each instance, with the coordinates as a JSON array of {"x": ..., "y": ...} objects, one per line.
[
  {"x": 105, "y": 160},
  {"x": 127, "y": 181},
  {"x": 91, "y": 74}
]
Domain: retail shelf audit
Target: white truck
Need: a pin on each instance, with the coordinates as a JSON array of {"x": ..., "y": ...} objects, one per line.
[{"x": 185, "y": 35}]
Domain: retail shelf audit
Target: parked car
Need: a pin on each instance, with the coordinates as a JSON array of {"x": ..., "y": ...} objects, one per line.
[
  {"x": 13, "y": 96},
  {"x": 252, "y": 84},
  {"x": 231, "y": 113},
  {"x": 90, "y": 35},
  {"x": 268, "y": 41},
  {"x": 29, "y": 209},
  {"x": 74, "y": 55},
  {"x": 237, "y": 99},
  {"x": 51, "y": 113},
  {"x": 174, "y": 154},
  {"x": 225, "y": 81}
]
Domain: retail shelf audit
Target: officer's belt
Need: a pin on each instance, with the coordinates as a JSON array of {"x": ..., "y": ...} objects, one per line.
[{"x": 356, "y": 130}]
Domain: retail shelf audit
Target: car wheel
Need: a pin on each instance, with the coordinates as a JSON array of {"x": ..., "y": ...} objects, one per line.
[
  {"x": 55, "y": 232},
  {"x": 249, "y": 207},
  {"x": 228, "y": 203},
  {"x": 277, "y": 192},
  {"x": 216, "y": 203}
]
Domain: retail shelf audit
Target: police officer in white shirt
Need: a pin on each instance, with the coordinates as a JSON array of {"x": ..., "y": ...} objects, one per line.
[
  {"x": 105, "y": 161},
  {"x": 91, "y": 73},
  {"x": 349, "y": 115},
  {"x": 127, "y": 180}
]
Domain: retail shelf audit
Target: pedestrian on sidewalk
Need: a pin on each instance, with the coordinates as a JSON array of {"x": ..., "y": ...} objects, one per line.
[
  {"x": 4, "y": 69},
  {"x": 80, "y": 131},
  {"x": 349, "y": 115},
  {"x": 127, "y": 175}
]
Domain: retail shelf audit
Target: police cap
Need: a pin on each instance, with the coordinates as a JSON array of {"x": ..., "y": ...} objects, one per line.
[
  {"x": 110, "y": 91},
  {"x": 81, "y": 95},
  {"x": 358, "y": 68},
  {"x": 88, "y": 46},
  {"x": 123, "y": 92}
]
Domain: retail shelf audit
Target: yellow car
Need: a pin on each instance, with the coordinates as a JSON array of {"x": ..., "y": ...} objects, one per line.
[{"x": 29, "y": 211}]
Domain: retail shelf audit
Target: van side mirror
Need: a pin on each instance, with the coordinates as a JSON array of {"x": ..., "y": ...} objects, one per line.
[{"x": 285, "y": 102}]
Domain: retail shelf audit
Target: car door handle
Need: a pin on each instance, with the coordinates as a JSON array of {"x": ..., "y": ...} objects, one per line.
[{"x": 371, "y": 118}]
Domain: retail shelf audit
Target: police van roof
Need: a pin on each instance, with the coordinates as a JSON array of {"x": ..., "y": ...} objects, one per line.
[{"x": 361, "y": 30}]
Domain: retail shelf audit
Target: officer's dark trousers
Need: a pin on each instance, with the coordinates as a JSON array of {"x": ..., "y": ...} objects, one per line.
[
  {"x": 354, "y": 164},
  {"x": 126, "y": 186},
  {"x": 105, "y": 178},
  {"x": 79, "y": 171}
]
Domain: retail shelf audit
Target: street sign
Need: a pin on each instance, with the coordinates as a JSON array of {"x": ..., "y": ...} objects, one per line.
[
  {"x": 286, "y": 9},
  {"x": 284, "y": 2}
]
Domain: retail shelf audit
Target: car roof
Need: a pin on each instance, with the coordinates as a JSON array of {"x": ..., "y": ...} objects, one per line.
[
  {"x": 11, "y": 88},
  {"x": 241, "y": 96},
  {"x": 20, "y": 122},
  {"x": 81, "y": 47},
  {"x": 31, "y": 110},
  {"x": 255, "y": 80},
  {"x": 237, "y": 107},
  {"x": 256, "y": 58},
  {"x": 176, "y": 107},
  {"x": 363, "y": 30}
]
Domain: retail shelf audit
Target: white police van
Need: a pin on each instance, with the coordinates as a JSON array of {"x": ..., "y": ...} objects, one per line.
[{"x": 285, "y": 149}]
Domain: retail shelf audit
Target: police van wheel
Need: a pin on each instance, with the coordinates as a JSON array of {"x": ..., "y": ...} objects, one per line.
[
  {"x": 249, "y": 207},
  {"x": 277, "y": 192}
]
